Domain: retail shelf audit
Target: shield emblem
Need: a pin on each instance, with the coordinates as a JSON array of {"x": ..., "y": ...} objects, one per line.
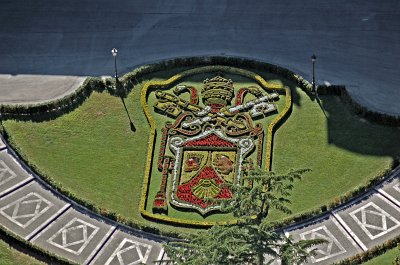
[
  {"x": 204, "y": 167},
  {"x": 197, "y": 151}
]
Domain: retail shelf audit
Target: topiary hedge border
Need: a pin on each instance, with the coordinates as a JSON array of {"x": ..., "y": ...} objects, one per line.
[
  {"x": 340, "y": 200},
  {"x": 357, "y": 108},
  {"x": 371, "y": 253},
  {"x": 55, "y": 107},
  {"x": 125, "y": 85},
  {"x": 68, "y": 103},
  {"x": 37, "y": 252}
]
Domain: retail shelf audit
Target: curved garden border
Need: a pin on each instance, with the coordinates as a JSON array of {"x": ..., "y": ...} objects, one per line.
[
  {"x": 60, "y": 106},
  {"x": 48, "y": 256},
  {"x": 69, "y": 102}
]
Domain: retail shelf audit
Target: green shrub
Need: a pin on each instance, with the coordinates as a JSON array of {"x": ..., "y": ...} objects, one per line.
[
  {"x": 37, "y": 251},
  {"x": 55, "y": 108},
  {"x": 371, "y": 253}
]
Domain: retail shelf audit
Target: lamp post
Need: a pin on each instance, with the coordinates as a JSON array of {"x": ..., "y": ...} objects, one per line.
[
  {"x": 114, "y": 54},
  {"x": 313, "y": 59}
]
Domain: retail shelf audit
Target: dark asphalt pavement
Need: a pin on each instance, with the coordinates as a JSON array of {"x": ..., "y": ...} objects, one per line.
[{"x": 357, "y": 43}]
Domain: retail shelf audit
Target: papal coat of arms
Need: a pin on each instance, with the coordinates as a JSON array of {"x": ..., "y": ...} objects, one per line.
[{"x": 212, "y": 131}]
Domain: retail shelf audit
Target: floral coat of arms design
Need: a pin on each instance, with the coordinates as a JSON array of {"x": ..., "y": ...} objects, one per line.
[{"x": 204, "y": 135}]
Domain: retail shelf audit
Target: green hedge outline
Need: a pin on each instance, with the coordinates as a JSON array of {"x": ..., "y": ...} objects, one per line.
[
  {"x": 59, "y": 106},
  {"x": 371, "y": 253},
  {"x": 47, "y": 256},
  {"x": 150, "y": 151}
]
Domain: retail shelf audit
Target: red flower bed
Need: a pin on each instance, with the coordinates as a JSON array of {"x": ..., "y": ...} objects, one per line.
[
  {"x": 160, "y": 200},
  {"x": 211, "y": 140},
  {"x": 185, "y": 193}
]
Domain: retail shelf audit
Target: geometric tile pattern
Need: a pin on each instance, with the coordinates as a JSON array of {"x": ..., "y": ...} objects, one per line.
[
  {"x": 391, "y": 190},
  {"x": 74, "y": 236},
  {"x": 397, "y": 187},
  {"x": 374, "y": 221},
  {"x": 89, "y": 242},
  {"x": 326, "y": 250},
  {"x": 129, "y": 253},
  {"x": 6, "y": 174},
  {"x": 26, "y": 210}
]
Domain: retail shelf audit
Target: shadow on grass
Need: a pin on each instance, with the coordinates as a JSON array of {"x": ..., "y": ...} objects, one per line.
[
  {"x": 320, "y": 105},
  {"x": 132, "y": 126},
  {"x": 353, "y": 133},
  {"x": 15, "y": 244},
  {"x": 296, "y": 97}
]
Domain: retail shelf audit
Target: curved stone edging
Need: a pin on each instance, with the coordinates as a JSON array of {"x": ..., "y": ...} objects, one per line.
[
  {"x": 140, "y": 71},
  {"x": 95, "y": 84},
  {"x": 349, "y": 229},
  {"x": 47, "y": 217},
  {"x": 353, "y": 227},
  {"x": 321, "y": 218}
]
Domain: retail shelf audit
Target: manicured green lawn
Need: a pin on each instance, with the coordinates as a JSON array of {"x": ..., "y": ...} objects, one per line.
[
  {"x": 385, "y": 259},
  {"x": 92, "y": 151},
  {"x": 11, "y": 256},
  {"x": 341, "y": 149}
]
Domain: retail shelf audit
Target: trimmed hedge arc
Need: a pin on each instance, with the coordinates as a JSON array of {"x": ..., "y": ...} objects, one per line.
[
  {"x": 126, "y": 83},
  {"x": 68, "y": 103}
]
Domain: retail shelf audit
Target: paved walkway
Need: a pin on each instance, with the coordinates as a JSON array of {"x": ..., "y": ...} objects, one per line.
[
  {"x": 32, "y": 210},
  {"x": 48, "y": 48},
  {"x": 356, "y": 42},
  {"x": 25, "y": 89},
  {"x": 358, "y": 226}
]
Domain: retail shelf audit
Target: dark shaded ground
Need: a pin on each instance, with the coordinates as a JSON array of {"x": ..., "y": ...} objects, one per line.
[{"x": 358, "y": 135}]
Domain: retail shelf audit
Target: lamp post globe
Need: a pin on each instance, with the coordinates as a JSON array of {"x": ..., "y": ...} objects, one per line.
[
  {"x": 313, "y": 60},
  {"x": 114, "y": 54}
]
